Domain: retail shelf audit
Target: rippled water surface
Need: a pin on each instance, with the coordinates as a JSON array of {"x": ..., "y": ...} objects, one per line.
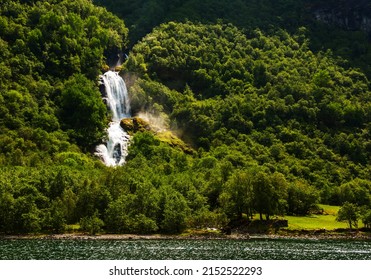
[{"x": 255, "y": 248}]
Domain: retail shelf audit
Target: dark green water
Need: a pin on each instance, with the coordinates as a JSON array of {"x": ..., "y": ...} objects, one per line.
[{"x": 252, "y": 249}]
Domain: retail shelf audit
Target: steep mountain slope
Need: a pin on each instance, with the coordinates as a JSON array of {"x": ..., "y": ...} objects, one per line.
[
  {"x": 335, "y": 25},
  {"x": 267, "y": 97}
]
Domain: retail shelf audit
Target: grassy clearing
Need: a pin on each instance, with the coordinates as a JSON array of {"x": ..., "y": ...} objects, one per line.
[
  {"x": 312, "y": 222},
  {"x": 325, "y": 221},
  {"x": 329, "y": 209},
  {"x": 73, "y": 228}
]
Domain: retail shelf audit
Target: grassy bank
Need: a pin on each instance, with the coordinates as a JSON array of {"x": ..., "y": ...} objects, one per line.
[
  {"x": 323, "y": 224},
  {"x": 327, "y": 220}
]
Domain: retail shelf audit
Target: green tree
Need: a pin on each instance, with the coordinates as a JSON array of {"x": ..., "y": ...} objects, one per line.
[
  {"x": 82, "y": 111},
  {"x": 260, "y": 74},
  {"x": 55, "y": 217},
  {"x": 133, "y": 212},
  {"x": 349, "y": 213},
  {"x": 302, "y": 198},
  {"x": 7, "y": 211},
  {"x": 270, "y": 194},
  {"x": 143, "y": 143},
  {"x": 357, "y": 191},
  {"x": 91, "y": 198},
  {"x": 69, "y": 200},
  {"x": 366, "y": 218},
  {"x": 29, "y": 216},
  {"x": 92, "y": 224},
  {"x": 173, "y": 211},
  {"x": 118, "y": 215},
  {"x": 237, "y": 195}
]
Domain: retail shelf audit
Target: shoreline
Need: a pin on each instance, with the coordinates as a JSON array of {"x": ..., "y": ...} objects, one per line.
[{"x": 213, "y": 236}]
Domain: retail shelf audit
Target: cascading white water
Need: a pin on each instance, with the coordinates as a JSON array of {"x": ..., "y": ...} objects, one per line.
[{"x": 117, "y": 99}]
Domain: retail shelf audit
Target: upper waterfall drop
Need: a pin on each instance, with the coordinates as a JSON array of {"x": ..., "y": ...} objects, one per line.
[
  {"x": 117, "y": 95},
  {"x": 117, "y": 100}
]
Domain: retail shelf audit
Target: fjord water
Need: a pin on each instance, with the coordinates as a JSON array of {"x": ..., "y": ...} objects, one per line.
[
  {"x": 118, "y": 103},
  {"x": 252, "y": 249}
]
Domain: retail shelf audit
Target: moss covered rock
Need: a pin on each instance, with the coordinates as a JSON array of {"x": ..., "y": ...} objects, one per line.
[
  {"x": 135, "y": 124},
  {"x": 174, "y": 141}
]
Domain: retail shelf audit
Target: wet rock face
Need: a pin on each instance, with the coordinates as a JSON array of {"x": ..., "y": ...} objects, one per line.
[{"x": 346, "y": 14}]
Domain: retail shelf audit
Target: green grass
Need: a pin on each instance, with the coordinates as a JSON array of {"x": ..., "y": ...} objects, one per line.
[
  {"x": 312, "y": 222},
  {"x": 325, "y": 221},
  {"x": 174, "y": 141},
  {"x": 73, "y": 228},
  {"x": 329, "y": 209}
]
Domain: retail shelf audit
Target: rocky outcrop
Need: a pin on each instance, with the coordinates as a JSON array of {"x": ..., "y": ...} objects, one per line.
[
  {"x": 135, "y": 124},
  {"x": 346, "y": 14},
  {"x": 174, "y": 141}
]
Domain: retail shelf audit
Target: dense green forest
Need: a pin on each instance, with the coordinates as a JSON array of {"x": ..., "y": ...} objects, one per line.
[
  {"x": 277, "y": 118},
  {"x": 269, "y": 16}
]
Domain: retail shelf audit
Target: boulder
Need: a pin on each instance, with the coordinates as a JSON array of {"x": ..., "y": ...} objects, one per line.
[{"x": 135, "y": 124}]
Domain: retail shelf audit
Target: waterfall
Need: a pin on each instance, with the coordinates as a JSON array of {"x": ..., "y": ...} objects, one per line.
[{"x": 117, "y": 100}]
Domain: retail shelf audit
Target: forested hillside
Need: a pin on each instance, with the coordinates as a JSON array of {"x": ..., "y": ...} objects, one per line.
[
  {"x": 275, "y": 122},
  {"x": 335, "y": 25}
]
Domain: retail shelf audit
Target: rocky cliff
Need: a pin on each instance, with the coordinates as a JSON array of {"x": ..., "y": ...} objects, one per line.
[{"x": 347, "y": 14}]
